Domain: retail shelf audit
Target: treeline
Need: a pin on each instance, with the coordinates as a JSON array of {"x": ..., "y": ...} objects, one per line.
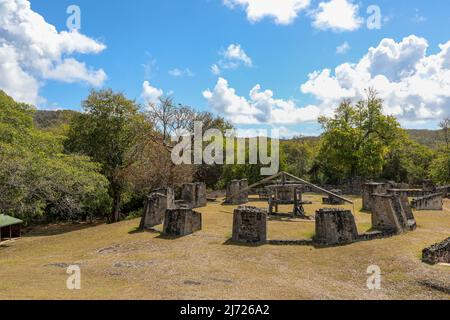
[{"x": 101, "y": 163}]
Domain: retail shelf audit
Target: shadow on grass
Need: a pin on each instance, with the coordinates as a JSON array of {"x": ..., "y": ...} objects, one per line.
[
  {"x": 138, "y": 230},
  {"x": 58, "y": 229},
  {"x": 230, "y": 242}
]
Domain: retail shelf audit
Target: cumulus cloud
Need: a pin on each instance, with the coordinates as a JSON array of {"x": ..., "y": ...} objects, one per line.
[
  {"x": 337, "y": 15},
  {"x": 415, "y": 86},
  {"x": 32, "y": 51},
  {"x": 232, "y": 58},
  {"x": 179, "y": 73},
  {"x": 282, "y": 11},
  {"x": 260, "y": 108},
  {"x": 151, "y": 94},
  {"x": 343, "y": 48}
]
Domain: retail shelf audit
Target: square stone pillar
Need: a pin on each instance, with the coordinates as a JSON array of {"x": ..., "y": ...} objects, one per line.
[
  {"x": 368, "y": 190},
  {"x": 181, "y": 222},
  {"x": 250, "y": 225},
  {"x": 155, "y": 207},
  {"x": 335, "y": 227}
]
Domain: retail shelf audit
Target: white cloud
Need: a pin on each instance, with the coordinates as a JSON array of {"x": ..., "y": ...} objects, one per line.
[
  {"x": 232, "y": 58},
  {"x": 282, "y": 11},
  {"x": 32, "y": 50},
  {"x": 178, "y": 73},
  {"x": 414, "y": 86},
  {"x": 343, "y": 48},
  {"x": 260, "y": 108},
  {"x": 337, "y": 15},
  {"x": 151, "y": 94}
]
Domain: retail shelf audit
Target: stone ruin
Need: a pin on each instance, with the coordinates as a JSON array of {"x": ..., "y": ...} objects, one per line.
[
  {"x": 234, "y": 196},
  {"x": 429, "y": 186},
  {"x": 369, "y": 189},
  {"x": 250, "y": 225},
  {"x": 430, "y": 202},
  {"x": 389, "y": 213},
  {"x": 331, "y": 200},
  {"x": 181, "y": 222},
  {"x": 194, "y": 195},
  {"x": 155, "y": 208},
  {"x": 335, "y": 227},
  {"x": 438, "y": 253}
]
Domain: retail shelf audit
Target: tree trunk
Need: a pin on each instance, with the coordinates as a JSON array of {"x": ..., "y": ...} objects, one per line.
[{"x": 115, "y": 215}]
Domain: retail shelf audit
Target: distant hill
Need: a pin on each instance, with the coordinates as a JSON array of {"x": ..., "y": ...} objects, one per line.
[{"x": 47, "y": 120}]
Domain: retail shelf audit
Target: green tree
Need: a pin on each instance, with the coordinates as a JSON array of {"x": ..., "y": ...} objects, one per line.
[{"x": 112, "y": 132}]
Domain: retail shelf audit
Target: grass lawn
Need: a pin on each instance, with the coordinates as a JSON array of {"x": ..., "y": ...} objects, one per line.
[{"x": 119, "y": 263}]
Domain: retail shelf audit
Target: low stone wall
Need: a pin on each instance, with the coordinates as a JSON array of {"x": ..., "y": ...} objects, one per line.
[
  {"x": 155, "y": 207},
  {"x": 330, "y": 200},
  {"x": 335, "y": 227},
  {"x": 369, "y": 189},
  {"x": 194, "y": 194},
  {"x": 250, "y": 225},
  {"x": 389, "y": 214},
  {"x": 438, "y": 253},
  {"x": 181, "y": 222},
  {"x": 430, "y": 202},
  {"x": 234, "y": 187}
]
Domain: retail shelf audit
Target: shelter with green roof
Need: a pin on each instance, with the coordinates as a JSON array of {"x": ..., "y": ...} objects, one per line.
[{"x": 10, "y": 227}]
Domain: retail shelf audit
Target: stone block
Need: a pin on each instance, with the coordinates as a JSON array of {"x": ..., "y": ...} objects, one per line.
[
  {"x": 194, "y": 194},
  {"x": 181, "y": 222},
  {"x": 389, "y": 215},
  {"x": 250, "y": 225},
  {"x": 335, "y": 227},
  {"x": 155, "y": 207},
  {"x": 368, "y": 190},
  {"x": 234, "y": 188},
  {"x": 438, "y": 253},
  {"x": 430, "y": 202}
]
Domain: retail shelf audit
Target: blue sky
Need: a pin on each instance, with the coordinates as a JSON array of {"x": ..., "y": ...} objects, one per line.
[{"x": 144, "y": 40}]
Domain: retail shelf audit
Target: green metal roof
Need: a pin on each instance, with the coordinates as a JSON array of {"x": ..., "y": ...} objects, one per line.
[{"x": 6, "y": 221}]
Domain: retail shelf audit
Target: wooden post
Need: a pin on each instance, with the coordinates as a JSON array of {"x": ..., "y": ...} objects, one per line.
[{"x": 10, "y": 233}]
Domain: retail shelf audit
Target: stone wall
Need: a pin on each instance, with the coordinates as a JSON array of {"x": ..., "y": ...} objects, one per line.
[
  {"x": 368, "y": 190},
  {"x": 430, "y": 202},
  {"x": 234, "y": 187},
  {"x": 155, "y": 207},
  {"x": 194, "y": 194},
  {"x": 250, "y": 225},
  {"x": 330, "y": 200},
  {"x": 404, "y": 202},
  {"x": 389, "y": 214},
  {"x": 181, "y": 222},
  {"x": 438, "y": 253},
  {"x": 335, "y": 227}
]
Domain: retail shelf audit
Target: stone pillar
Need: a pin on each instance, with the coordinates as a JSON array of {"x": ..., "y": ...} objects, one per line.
[
  {"x": 244, "y": 195},
  {"x": 188, "y": 194},
  {"x": 250, "y": 225},
  {"x": 181, "y": 222},
  {"x": 335, "y": 227},
  {"x": 405, "y": 206},
  {"x": 368, "y": 190},
  {"x": 200, "y": 195},
  {"x": 234, "y": 188},
  {"x": 438, "y": 253},
  {"x": 430, "y": 202},
  {"x": 388, "y": 215},
  {"x": 155, "y": 208},
  {"x": 194, "y": 194}
]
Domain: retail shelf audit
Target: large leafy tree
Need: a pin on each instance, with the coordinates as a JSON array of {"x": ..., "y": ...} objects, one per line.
[
  {"x": 36, "y": 178},
  {"x": 113, "y": 133},
  {"x": 357, "y": 139}
]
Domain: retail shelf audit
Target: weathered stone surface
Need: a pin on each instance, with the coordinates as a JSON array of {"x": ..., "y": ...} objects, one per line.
[
  {"x": 388, "y": 214},
  {"x": 181, "y": 222},
  {"x": 430, "y": 202},
  {"x": 330, "y": 200},
  {"x": 405, "y": 206},
  {"x": 335, "y": 227},
  {"x": 194, "y": 194},
  {"x": 234, "y": 188},
  {"x": 368, "y": 190},
  {"x": 438, "y": 253},
  {"x": 250, "y": 225},
  {"x": 429, "y": 186},
  {"x": 155, "y": 207}
]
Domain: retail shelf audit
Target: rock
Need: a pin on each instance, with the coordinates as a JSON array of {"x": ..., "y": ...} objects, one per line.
[{"x": 438, "y": 253}]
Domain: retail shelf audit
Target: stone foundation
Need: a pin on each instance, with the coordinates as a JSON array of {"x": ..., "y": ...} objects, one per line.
[
  {"x": 181, "y": 222},
  {"x": 333, "y": 200},
  {"x": 155, "y": 207},
  {"x": 389, "y": 214},
  {"x": 234, "y": 187},
  {"x": 194, "y": 194},
  {"x": 370, "y": 189},
  {"x": 335, "y": 227},
  {"x": 250, "y": 225},
  {"x": 438, "y": 253},
  {"x": 430, "y": 202}
]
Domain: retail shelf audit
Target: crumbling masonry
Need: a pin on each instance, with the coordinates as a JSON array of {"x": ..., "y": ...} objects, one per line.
[
  {"x": 234, "y": 196},
  {"x": 438, "y": 253},
  {"x": 155, "y": 208},
  {"x": 181, "y": 222},
  {"x": 194, "y": 195},
  {"x": 250, "y": 225},
  {"x": 335, "y": 227}
]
